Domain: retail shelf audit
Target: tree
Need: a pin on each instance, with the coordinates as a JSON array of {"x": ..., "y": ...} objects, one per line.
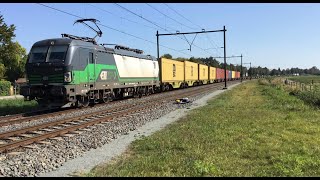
[
  {"x": 6, "y": 32},
  {"x": 12, "y": 55},
  {"x": 167, "y": 56},
  {"x": 2, "y": 71}
]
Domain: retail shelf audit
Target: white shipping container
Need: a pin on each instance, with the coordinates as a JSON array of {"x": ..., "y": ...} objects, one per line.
[{"x": 131, "y": 67}]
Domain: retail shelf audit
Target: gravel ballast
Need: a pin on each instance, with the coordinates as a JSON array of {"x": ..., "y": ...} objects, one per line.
[{"x": 118, "y": 145}]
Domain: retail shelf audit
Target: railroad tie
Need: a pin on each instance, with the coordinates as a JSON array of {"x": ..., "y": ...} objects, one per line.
[
  {"x": 31, "y": 146},
  {"x": 56, "y": 138},
  {"x": 26, "y": 135},
  {"x": 48, "y": 130},
  {"x": 65, "y": 125},
  {"x": 76, "y": 132},
  {"x": 81, "y": 121},
  {"x": 44, "y": 142},
  {"x": 36, "y": 132},
  {"x": 73, "y": 123},
  {"x": 12, "y": 138},
  {"x": 68, "y": 135},
  {"x": 84, "y": 129}
]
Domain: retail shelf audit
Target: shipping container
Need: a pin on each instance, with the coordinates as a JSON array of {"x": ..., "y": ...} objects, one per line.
[
  {"x": 172, "y": 72},
  {"x": 191, "y": 73},
  {"x": 238, "y": 75},
  {"x": 229, "y": 77},
  {"x": 203, "y": 74},
  {"x": 220, "y": 75},
  {"x": 233, "y": 74},
  {"x": 212, "y": 74}
]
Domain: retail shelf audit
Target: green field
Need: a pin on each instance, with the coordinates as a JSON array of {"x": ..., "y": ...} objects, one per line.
[
  {"x": 305, "y": 79},
  {"x": 15, "y": 106},
  {"x": 309, "y": 93},
  {"x": 252, "y": 130}
]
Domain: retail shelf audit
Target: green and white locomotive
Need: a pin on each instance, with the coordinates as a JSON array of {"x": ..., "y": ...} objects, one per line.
[{"x": 75, "y": 71}]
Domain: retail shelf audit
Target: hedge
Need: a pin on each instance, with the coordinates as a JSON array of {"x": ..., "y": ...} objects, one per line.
[{"x": 5, "y": 88}]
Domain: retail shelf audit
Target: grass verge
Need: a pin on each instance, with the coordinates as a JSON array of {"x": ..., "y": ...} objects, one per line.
[
  {"x": 15, "y": 106},
  {"x": 251, "y": 130}
]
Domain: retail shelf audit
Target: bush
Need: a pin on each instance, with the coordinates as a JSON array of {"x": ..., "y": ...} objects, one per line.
[{"x": 5, "y": 88}]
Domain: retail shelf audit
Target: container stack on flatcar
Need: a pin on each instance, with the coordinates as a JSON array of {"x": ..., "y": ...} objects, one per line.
[
  {"x": 172, "y": 74},
  {"x": 233, "y": 75},
  {"x": 203, "y": 74},
  {"x": 212, "y": 74},
  {"x": 191, "y": 73},
  {"x": 220, "y": 75}
]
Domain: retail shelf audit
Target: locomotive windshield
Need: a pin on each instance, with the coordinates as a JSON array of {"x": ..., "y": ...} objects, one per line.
[
  {"x": 57, "y": 53},
  {"x": 48, "y": 54},
  {"x": 38, "y": 54}
]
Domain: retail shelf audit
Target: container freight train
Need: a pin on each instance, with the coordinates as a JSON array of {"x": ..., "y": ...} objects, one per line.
[
  {"x": 67, "y": 72},
  {"x": 76, "y": 71}
]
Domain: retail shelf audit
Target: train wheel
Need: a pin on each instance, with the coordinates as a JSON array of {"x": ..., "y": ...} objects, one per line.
[
  {"x": 84, "y": 101},
  {"x": 106, "y": 98}
]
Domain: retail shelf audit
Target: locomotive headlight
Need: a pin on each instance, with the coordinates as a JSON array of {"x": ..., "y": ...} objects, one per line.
[{"x": 67, "y": 77}]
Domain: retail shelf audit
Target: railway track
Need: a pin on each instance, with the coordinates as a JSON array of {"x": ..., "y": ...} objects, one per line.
[
  {"x": 37, "y": 134},
  {"x": 25, "y": 117}
]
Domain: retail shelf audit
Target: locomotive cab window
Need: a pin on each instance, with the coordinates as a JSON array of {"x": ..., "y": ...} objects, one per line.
[
  {"x": 91, "y": 59},
  {"x": 38, "y": 54},
  {"x": 57, "y": 53},
  {"x": 48, "y": 54}
]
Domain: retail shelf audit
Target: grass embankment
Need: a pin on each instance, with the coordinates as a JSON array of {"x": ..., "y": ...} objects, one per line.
[
  {"x": 310, "y": 93},
  {"x": 15, "y": 106},
  {"x": 306, "y": 79},
  {"x": 252, "y": 130}
]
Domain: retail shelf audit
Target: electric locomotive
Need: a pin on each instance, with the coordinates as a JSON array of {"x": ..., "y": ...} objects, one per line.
[{"x": 75, "y": 71}]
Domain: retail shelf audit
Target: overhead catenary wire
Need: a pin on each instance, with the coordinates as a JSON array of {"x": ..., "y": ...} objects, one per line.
[
  {"x": 112, "y": 28},
  {"x": 170, "y": 17},
  {"x": 189, "y": 21},
  {"x": 121, "y": 16},
  {"x": 140, "y": 16},
  {"x": 156, "y": 25},
  {"x": 173, "y": 20}
]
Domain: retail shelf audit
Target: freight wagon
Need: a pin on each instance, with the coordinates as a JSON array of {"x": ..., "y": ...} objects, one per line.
[
  {"x": 220, "y": 75},
  {"x": 212, "y": 74},
  {"x": 229, "y": 77},
  {"x": 203, "y": 74},
  {"x": 172, "y": 74},
  {"x": 233, "y": 75},
  {"x": 191, "y": 73}
]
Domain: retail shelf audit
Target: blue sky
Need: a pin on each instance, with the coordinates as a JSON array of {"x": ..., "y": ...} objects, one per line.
[{"x": 268, "y": 35}]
